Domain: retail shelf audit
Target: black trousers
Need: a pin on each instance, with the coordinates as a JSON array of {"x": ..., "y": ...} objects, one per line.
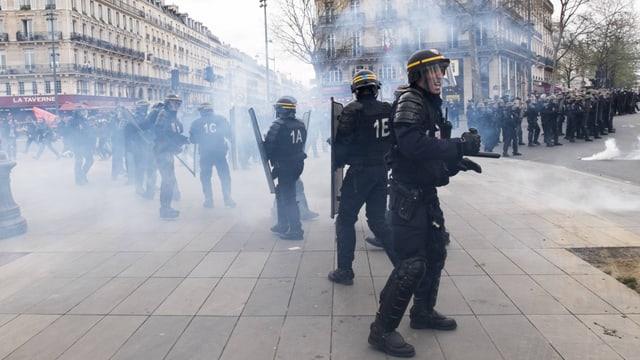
[
  {"x": 207, "y": 162},
  {"x": 362, "y": 185},
  {"x": 166, "y": 168},
  {"x": 419, "y": 240},
  {"x": 288, "y": 212}
]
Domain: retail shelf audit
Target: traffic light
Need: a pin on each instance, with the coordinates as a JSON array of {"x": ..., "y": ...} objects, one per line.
[
  {"x": 208, "y": 74},
  {"x": 175, "y": 78}
]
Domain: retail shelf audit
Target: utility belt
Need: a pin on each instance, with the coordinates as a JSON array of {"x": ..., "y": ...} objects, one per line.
[{"x": 405, "y": 199}]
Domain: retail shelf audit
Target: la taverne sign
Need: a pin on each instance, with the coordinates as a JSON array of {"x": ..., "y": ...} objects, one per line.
[{"x": 32, "y": 100}]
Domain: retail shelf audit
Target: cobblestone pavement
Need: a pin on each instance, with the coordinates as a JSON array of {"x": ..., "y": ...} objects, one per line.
[{"x": 99, "y": 275}]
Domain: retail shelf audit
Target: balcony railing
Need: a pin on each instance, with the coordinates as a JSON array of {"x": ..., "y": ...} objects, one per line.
[
  {"x": 107, "y": 45},
  {"x": 4, "y": 37},
  {"x": 36, "y": 36}
]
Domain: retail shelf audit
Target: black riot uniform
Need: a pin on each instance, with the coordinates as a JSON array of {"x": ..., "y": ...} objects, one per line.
[
  {"x": 533, "y": 129},
  {"x": 210, "y": 132},
  {"x": 168, "y": 142},
  {"x": 82, "y": 139},
  {"x": 139, "y": 135},
  {"x": 362, "y": 140},
  {"x": 420, "y": 162},
  {"x": 284, "y": 146}
]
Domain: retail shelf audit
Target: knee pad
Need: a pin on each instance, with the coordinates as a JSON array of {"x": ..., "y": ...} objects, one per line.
[{"x": 410, "y": 271}]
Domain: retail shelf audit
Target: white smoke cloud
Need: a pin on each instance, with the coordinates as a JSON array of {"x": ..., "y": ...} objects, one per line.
[{"x": 612, "y": 152}]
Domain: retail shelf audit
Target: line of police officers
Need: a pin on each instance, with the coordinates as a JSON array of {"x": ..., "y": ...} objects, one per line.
[{"x": 584, "y": 115}]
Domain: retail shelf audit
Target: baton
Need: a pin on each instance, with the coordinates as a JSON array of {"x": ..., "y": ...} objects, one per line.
[
  {"x": 193, "y": 172},
  {"x": 490, "y": 155}
]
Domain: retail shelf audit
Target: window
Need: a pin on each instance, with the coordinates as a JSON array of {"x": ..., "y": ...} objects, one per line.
[
  {"x": 481, "y": 34},
  {"x": 82, "y": 87},
  {"x": 58, "y": 86},
  {"x": 387, "y": 72},
  {"x": 47, "y": 87},
  {"x": 334, "y": 75},
  {"x": 57, "y": 59},
  {"x": 452, "y": 36},
  {"x": 25, "y": 4},
  {"x": 3, "y": 61},
  {"x": 109, "y": 15},
  {"x": 356, "y": 46},
  {"x": 20, "y": 88},
  {"x": 7, "y": 88},
  {"x": 29, "y": 59},
  {"x": 355, "y": 6},
  {"x": 34, "y": 88},
  {"x": 27, "y": 28},
  {"x": 74, "y": 26},
  {"x": 52, "y": 29},
  {"x": 331, "y": 47}
]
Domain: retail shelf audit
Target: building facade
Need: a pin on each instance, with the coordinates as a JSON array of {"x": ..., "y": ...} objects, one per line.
[
  {"x": 506, "y": 43},
  {"x": 106, "y": 53}
]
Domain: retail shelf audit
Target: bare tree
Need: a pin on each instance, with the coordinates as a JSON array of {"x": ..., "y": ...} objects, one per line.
[
  {"x": 614, "y": 43},
  {"x": 568, "y": 17},
  {"x": 296, "y": 27}
]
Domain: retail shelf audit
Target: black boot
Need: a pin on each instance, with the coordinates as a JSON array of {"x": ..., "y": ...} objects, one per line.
[
  {"x": 341, "y": 276},
  {"x": 280, "y": 228},
  {"x": 422, "y": 319},
  {"x": 293, "y": 235},
  {"x": 389, "y": 342}
]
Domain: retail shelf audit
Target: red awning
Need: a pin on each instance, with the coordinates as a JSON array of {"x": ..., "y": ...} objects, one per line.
[{"x": 72, "y": 106}]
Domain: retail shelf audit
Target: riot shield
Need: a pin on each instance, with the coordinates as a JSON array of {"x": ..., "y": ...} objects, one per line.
[
  {"x": 337, "y": 172},
  {"x": 263, "y": 154},
  {"x": 305, "y": 119}
]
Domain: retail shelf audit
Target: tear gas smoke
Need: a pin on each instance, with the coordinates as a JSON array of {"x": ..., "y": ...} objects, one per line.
[{"x": 612, "y": 152}]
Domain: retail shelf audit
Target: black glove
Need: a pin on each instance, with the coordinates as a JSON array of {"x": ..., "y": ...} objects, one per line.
[
  {"x": 470, "y": 143},
  {"x": 445, "y": 129},
  {"x": 466, "y": 164}
]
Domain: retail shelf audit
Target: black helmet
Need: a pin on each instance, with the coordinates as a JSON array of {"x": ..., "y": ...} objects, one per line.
[
  {"x": 422, "y": 60},
  {"x": 205, "y": 108},
  {"x": 285, "y": 105},
  {"x": 365, "y": 78},
  {"x": 172, "y": 97}
]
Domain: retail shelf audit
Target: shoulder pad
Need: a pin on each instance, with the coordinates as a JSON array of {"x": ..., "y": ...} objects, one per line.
[{"x": 409, "y": 108}]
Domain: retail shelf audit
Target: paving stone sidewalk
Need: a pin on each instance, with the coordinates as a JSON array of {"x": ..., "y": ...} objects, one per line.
[{"x": 99, "y": 276}]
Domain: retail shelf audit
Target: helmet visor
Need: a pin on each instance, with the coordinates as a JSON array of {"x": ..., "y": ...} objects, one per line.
[{"x": 436, "y": 77}]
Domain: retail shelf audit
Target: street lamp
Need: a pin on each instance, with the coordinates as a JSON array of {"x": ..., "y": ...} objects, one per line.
[
  {"x": 51, "y": 16},
  {"x": 263, "y": 4}
]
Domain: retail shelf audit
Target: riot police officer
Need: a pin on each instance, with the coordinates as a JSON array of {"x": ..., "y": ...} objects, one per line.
[
  {"x": 284, "y": 147},
  {"x": 420, "y": 162},
  {"x": 168, "y": 142},
  {"x": 82, "y": 139},
  {"x": 533, "y": 129},
  {"x": 210, "y": 132},
  {"x": 362, "y": 140},
  {"x": 139, "y": 143}
]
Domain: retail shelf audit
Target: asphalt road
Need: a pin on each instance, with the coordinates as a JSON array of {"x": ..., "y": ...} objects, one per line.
[{"x": 627, "y": 140}]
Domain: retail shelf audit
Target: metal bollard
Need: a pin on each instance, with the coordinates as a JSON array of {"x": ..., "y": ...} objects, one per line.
[{"x": 11, "y": 223}]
